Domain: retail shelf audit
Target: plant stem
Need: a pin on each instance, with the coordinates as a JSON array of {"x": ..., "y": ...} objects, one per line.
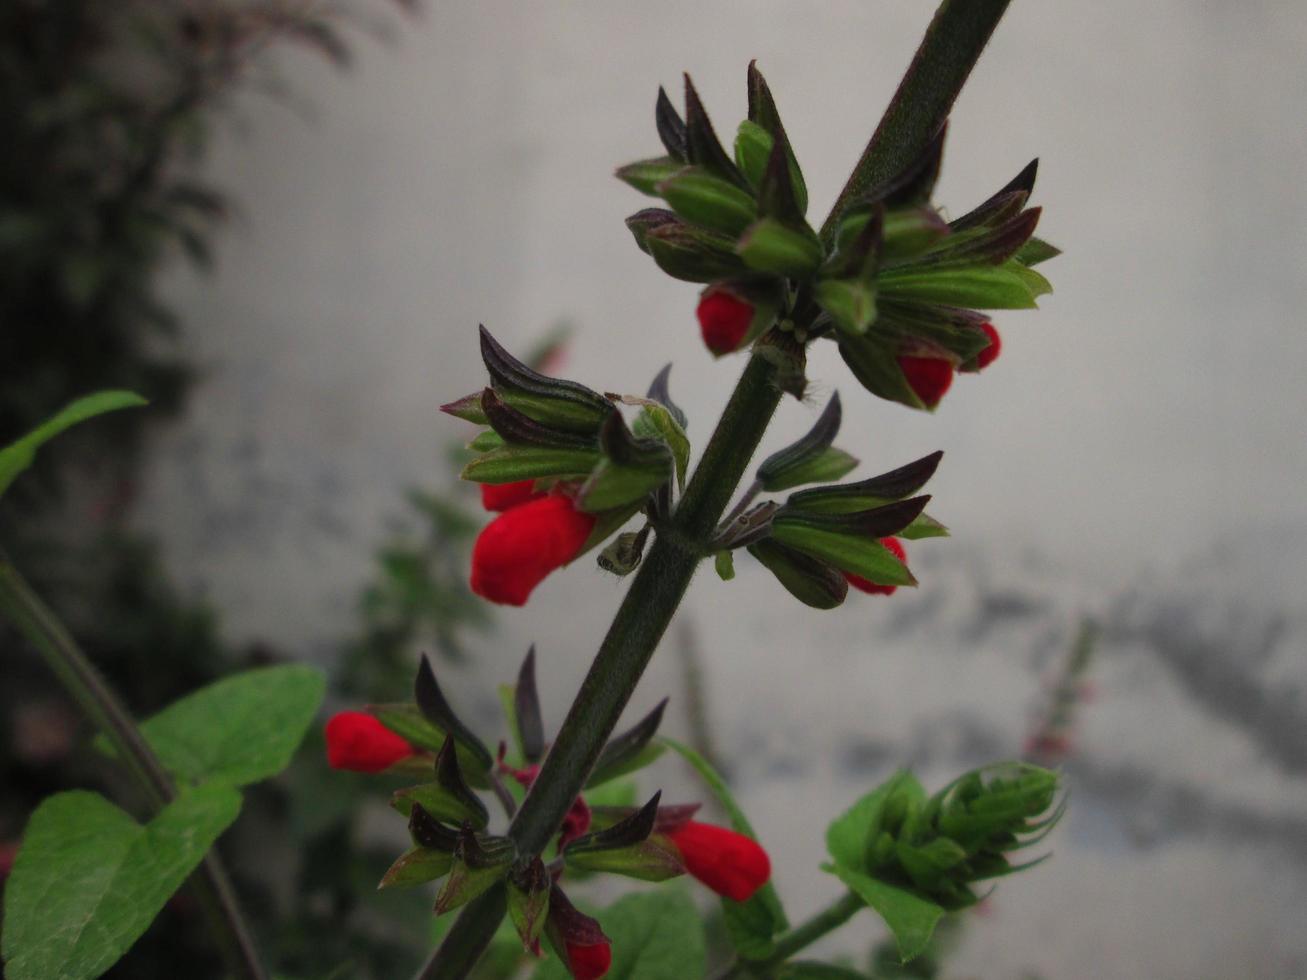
[
  {"x": 952, "y": 44},
  {"x": 42, "y": 628},
  {"x": 948, "y": 52},
  {"x": 800, "y": 937}
]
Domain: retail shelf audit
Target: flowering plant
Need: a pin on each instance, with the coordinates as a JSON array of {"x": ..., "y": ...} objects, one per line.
[{"x": 905, "y": 294}]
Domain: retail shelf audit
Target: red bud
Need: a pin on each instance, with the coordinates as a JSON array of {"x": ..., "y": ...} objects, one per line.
[
  {"x": 928, "y": 377},
  {"x": 990, "y": 354},
  {"x": 519, "y": 548},
  {"x": 724, "y": 320},
  {"x": 589, "y": 962},
  {"x": 503, "y": 496},
  {"x": 871, "y": 588},
  {"x": 360, "y": 743},
  {"x": 731, "y": 864}
]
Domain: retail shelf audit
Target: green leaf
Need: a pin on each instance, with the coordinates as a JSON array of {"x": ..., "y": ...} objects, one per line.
[
  {"x": 981, "y": 287},
  {"x": 18, "y": 456},
  {"x": 89, "y": 879},
  {"x": 849, "y": 834},
  {"x": 752, "y": 924},
  {"x": 863, "y": 556},
  {"x": 513, "y": 463},
  {"x": 238, "y": 730},
  {"x": 656, "y": 935},
  {"x": 912, "y": 919},
  {"x": 769, "y": 246}
]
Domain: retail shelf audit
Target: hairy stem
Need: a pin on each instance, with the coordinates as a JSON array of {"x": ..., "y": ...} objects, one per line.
[
  {"x": 800, "y": 937},
  {"x": 951, "y": 47},
  {"x": 42, "y": 628},
  {"x": 925, "y": 97}
]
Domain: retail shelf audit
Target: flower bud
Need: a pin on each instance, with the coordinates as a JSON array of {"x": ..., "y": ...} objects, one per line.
[
  {"x": 520, "y": 547},
  {"x": 990, "y": 354},
  {"x": 505, "y": 496},
  {"x": 589, "y": 962},
  {"x": 359, "y": 743},
  {"x": 731, "y": 864},
  {"x": 577, "y": 939},
  {"x": 895, "y": 547},
  {"x": 724, "y": 320},
  {"x": 928, "y": 377}
]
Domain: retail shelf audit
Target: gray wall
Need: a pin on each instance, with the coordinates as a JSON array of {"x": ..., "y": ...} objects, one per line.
[{"x": 1136, "y": 453}]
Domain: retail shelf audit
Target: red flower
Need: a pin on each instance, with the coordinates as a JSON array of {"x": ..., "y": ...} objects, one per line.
[
  {"x": 928, "y": 377},
  {"x": 990, "y": 354},
  {"x": 589, "y": 962},
  {"x": 521, "y": 546},
  {"x": 359, "y": 743},
  {"x": 505, "y": 496},
  {"x": 731, "y": 864},
  {"x": 724, "y": 319},
  {"x": 871, "y": 588}
]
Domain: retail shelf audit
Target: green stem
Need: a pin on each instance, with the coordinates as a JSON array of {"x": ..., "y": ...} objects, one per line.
[
  {"x": 952, "y": 44},
  {"x": 925, "y": 97},
  {"x": 42, "y": 628},
  {"x": 800, "y": 937}
]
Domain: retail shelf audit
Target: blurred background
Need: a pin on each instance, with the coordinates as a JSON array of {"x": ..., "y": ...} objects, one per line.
[{"x": 282, "y": 222}]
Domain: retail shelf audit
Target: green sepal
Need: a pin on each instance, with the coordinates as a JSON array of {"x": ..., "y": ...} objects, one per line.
[
  {"x": 648, "y": 860},
  {"x": 671, "y": 128},
  {"x": 763, "y": 113},
  {"x": 467, "y": 408},
  {"x": 645, "y": 175},
  {"x": 1035, "y": 251},
  {"x": 692, "y": 254},
  {"x": 405, "y": 719},
  {"x": 416, "y": 866},
  {"x": 519, "y": 429},
  {"x": 863, "y": 556},
  {"x": 646, "y": 220},
  {"x": 981, "y": 246},
  {"x": 708, "y": 201},
  {"x": 632, "y": 750},
  {"x": 851, "y": 303},
  {"x": 884, "y": 488},
  {"x": 448, "y": 798},
  {"x": 813, "y": 582},
  {"x": 1000, "y": 287},
  {"x": 924, "y": 526},
  {"x": 613, "y": 485},
  {"x": 724, "y": 565},
  {"x": 776, "y": 193},
  {"x": 479, "y": 863},
  {"x": 658, "y": 421},
  {"x": 956, "y": 331},
  {"x": 527, "y": 719},
  {"x": 486, "y": 441},
  {"x": 553, "y": 402},
  {"x": 702, "y": 147},
  {"x": 770, "y": 246},
  {"x": 513, "y": 463},
  {"x": 752, "y": 149},
  {"x": 1003, "y": 203},
  {"x": 810, "y": 458},
  {"x": 528, "y": 901},
  {"x": 437, "y": 710},
  {"x": 909, "y": 232},
  {"x": 873, "y": 359}
]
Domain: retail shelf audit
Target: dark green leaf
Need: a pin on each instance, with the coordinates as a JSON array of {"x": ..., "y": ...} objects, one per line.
[{"x": 526, "y": 710}]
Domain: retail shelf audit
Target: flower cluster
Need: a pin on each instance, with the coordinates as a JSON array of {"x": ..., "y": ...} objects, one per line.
[
  {"x": 449, "y": 824},
  {"x": 895, "y": 284}
]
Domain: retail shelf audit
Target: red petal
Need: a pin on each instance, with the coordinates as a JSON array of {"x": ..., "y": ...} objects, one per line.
[
  {"x": 589, "y": 962},
  {"x": 928, "y": 377},
  {"x": 503, "y": 496},
  {"x": 724, "y": 319},
  {"x": 360, "y": 743},
  {"x": 730, "y": 864},
  {"x": 520, "y": 547},
  {"x": 990, "y": 354}
]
